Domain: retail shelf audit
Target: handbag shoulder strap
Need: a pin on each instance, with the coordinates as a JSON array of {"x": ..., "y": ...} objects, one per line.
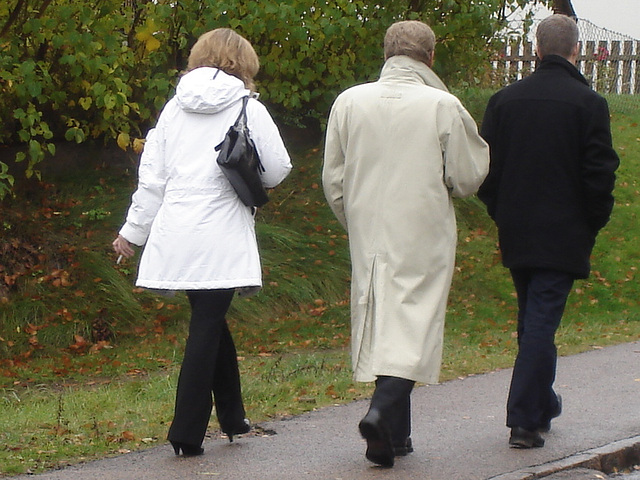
[{"x": 241, "y": 121}]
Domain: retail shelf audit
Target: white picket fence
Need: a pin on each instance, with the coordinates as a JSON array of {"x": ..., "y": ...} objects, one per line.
[{"x": 611, "y": 66}]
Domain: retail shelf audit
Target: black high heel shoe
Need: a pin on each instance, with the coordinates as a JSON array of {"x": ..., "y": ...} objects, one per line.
[
  {"x": 187, "y": 450},
  {"x": 245, "y": 427}
]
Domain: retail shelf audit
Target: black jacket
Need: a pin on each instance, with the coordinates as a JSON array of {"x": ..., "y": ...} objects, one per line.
[{"x": 550, "y": 183}]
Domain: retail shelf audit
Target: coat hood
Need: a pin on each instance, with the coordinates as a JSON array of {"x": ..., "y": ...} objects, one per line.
[
  {"x": 209, "y": 90},
  {"x": 404, "y": 66}
]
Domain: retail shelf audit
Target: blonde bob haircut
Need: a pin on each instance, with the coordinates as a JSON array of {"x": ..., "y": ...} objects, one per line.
[
  {"x": 412, "y": 38},
  {"x": 227, "y": 50}
]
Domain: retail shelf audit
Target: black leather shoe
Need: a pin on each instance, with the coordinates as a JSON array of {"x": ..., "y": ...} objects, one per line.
[
  {"x": 379, "y": 446},
  {"x": 521, "y": 438},
  {"x": 244, "y": 427},
  {"x": 403, "y": 450},
  {"x": 556, "y": 413},
  {"x": 187, "y": 450}
]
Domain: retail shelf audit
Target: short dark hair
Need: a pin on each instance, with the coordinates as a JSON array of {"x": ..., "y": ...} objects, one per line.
[{"x": 557, "y": 35}]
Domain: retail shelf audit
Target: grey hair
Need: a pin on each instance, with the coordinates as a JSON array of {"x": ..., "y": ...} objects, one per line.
[
  {"x": 411, "y": 38},
  {"x": 557, "y": 35}
]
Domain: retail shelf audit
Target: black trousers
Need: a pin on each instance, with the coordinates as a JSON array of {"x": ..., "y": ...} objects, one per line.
[
  {"x": 210, "y": 366},
  {"x": 392, "y": 397},
  {"x": 542, "y": 296}
]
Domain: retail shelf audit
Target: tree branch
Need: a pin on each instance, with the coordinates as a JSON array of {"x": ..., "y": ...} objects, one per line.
[{"x": 13, "y": 16}]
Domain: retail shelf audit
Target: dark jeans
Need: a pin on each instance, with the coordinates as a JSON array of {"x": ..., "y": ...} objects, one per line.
[
  {"x": 542, "y": 296},
  {"x": 210, "y": 365},
  {"x": 392, "y": 397}
]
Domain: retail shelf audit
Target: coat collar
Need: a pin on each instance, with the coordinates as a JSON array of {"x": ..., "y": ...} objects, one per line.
[
  {"x": 556, "y": 62},
  {"x": 401, "y": 67}
]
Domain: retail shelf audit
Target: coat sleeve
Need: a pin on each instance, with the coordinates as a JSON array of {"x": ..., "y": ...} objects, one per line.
[
  {"x": 148, "y": 197},
  {"x": 466, "y": 155},
  {"x": 488, "y": 191},
  {"x": 333, "y": 167},
  {"x": 598, "y": 167},
  {"x": 269, "y": 144}
]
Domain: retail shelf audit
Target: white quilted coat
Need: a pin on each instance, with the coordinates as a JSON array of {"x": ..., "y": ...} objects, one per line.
[{"x": 196, "y": 232}]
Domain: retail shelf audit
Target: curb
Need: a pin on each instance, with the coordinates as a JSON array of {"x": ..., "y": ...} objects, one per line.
[{"x": 609, "y": 458}]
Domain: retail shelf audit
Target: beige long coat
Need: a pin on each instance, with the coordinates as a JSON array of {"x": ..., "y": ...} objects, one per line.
[{"x": 396, "y": 152}]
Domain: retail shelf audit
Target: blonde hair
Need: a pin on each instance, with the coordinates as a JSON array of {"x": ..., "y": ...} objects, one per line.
[
  {"x": 227, "y": 50},
  {"x": 557, "y": 35},
  {"x": 412, "y": 38}
]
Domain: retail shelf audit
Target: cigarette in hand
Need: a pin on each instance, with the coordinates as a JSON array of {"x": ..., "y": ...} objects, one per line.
[{"x": 119, "y": 260}]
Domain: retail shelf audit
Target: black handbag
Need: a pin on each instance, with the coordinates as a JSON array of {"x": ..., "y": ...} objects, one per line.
[{"x": 240, "y": 162}]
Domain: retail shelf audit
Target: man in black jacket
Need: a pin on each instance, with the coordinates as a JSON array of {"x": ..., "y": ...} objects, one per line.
[{"x": 549, "y": 190}]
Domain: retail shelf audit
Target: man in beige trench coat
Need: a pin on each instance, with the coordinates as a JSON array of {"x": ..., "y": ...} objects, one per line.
[{"x": 397, "y": 150}]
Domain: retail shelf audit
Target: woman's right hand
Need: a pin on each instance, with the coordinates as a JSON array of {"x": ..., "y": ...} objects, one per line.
[{"x": 122, "y": 247}]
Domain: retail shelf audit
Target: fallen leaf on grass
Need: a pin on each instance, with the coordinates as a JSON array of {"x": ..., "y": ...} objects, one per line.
[{"x": 80, "y": 344}]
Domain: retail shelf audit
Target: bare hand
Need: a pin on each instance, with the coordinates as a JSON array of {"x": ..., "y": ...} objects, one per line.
[{"x": 122, "y": 247}]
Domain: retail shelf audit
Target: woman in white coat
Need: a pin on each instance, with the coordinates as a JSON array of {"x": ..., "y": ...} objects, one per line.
[
  {"x": 397, "y": 151},
  {"x": 198, "y": 235}
]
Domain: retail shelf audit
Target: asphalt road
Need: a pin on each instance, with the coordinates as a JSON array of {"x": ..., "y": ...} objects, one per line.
[{"x": 458, "y": 434}]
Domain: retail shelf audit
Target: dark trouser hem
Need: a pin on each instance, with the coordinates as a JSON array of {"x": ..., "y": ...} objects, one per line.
[{"x": 542, "y": 296}]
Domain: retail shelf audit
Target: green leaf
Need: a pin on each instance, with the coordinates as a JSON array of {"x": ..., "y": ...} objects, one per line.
[
  {"x": 98, "y": 89},
  {"x": 85, "y": 102},
  {"x": 109, "y": 101},
  {"x": 35, "y": 149},
  {"x": 24, "y": 135}
]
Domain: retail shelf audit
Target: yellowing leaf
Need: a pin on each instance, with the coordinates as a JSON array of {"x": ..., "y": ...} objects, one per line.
[
  {"x": 85, "y": 102},
  {"x": 138, "y": 145},
  {"x": 152, "y": 44},
  {"x": 145, "y": 34},
  {"x": 123, "y": 140}
]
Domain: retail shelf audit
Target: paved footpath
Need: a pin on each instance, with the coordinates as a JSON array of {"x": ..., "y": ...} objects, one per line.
[{"x": 458, "y": 434}]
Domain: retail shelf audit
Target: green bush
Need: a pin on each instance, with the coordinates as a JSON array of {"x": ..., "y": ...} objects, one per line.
[{"x": 79, "y": 71}]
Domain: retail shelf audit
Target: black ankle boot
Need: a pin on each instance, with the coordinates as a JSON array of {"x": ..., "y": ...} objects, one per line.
[
  {"x": 403, "y": 449},
  {"x": 379, "y": 447}
]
